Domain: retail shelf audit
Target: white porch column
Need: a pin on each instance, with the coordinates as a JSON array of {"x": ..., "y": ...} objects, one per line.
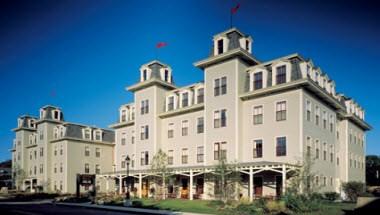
[
  {"x": 120, "y": 185},
  {"x": 283, "y": 179},
  {"x": 250, "y": 187},
  {"x": 163, "y": 188},
  {"x": 140, "y": 185},
  {"x": 31, "y": 186},
  {"x": 107, "y": 185},
  {"x": 191, "y": 185}
]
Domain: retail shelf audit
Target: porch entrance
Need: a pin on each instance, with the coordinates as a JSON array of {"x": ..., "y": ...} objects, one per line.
[
  {"x": 278, "y": 185},
  {"x": 258, "y": 186},
  {"x": 184, "y": 190},
  {"x": 145, "y": 188}
]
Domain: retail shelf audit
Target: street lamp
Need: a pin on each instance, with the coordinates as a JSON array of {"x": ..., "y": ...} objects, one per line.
[{"x": 127, "y": 161}]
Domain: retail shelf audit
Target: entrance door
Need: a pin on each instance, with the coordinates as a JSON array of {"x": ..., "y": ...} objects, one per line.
[
  {"x": 145, "y": 187},
  {"x": 278, "y": 185},
  {"x": 184, "y": 191},
  {"x": 258, "y": 186}
]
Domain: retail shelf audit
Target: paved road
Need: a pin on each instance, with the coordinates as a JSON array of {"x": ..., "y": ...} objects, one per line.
[{"x": 37, "y": 209}]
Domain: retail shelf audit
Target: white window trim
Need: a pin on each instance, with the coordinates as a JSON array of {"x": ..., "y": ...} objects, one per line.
[
  {"x": 274, "y": 71},
  {"x": 101, "y": 134},
  {"x": 252, "y": 75},
  {"x": 286, "y": 110},
  {"x": 253, "y": 113},
  {"x": 84, "y": 133}
]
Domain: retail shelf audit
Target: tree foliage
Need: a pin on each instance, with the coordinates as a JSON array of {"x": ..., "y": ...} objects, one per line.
[
  {"x": 353, "y": 189},
  {"x": 159, "y": 167},
  {"x": 373, "y": 170}
]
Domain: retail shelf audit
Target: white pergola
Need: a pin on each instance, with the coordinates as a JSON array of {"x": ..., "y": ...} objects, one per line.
[{"x": 250, "y": 169}]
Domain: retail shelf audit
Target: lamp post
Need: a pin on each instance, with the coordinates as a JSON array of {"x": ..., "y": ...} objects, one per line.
[{"x": 127, "y": 161}]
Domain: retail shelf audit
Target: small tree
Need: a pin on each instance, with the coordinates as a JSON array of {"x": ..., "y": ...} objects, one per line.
[
  {"x": 226, "y": 178},
  {"x": 159, "y": 166},
  {"x": 353, "y": 189},
  {"x": 19, "y": 176}
]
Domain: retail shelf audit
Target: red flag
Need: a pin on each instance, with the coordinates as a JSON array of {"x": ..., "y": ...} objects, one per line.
[
  {"x": 235, "y": 9},
  {"x": 161, "y": 44}
]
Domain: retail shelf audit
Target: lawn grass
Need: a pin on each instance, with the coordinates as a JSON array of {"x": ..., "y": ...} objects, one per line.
[
  {"x": 195, "y": 206},
  {"x": 332, "y": 208}
]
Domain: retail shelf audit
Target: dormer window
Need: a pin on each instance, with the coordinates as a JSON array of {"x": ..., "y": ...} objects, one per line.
[
  {"x": 258, "y": 80},
  {"x": 166, "y": 75},
  {"x": 247, "y": 45},
  {"x": 98, "y": 135},
  {"x": 123, "y": 115},
  {"x": 87, "y": 133},
  {"x": 281, "y": 74},
  {"x": 56, "y": 114},
  {"x": 32, "y": 124},
  {"x": 185, "y": 99},
  {"x": 220, "y": 46},
  {"x": 145, "y": 75},
  {"x": 170, "y": 103},
  {"x": 200, "y": 95}
]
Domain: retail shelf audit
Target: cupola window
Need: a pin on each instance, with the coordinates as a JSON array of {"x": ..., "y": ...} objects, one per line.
[{"x": 220, "y": 46}]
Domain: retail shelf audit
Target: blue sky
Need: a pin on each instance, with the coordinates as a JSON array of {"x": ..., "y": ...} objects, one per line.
[{"x": 86, "y": 52}]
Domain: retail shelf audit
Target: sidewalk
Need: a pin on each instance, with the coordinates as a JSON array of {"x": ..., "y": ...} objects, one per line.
[{"x": 127, "y": 209}]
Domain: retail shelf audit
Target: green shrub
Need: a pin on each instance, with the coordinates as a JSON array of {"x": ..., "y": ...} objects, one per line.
[
  {"x": 137, "y": 204},
  {"x": 242, "y": 209},
  {"x": 302, "y": 203},
  {"x": 331, "y": 196},
  {"x": 352, "y": 190},
  {"x": 275, "y": 207}
]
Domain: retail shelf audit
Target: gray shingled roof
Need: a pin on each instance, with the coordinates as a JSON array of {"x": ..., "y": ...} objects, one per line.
[
  {"x": 233, "y": 40},
  {"x": 48, "y": 112},
  {"x": 75, "y": 131}
]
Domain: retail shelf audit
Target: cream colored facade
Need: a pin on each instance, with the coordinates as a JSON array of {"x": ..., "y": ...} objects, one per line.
[
  {"x": 294, "y": 104},
  {"x": 48, "y": 153}
]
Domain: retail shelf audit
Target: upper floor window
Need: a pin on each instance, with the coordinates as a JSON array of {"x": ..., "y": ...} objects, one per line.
[
  {"x": 324, "y": 119},
  {"x": 87, "y": 168},
  {"x": 170, "y": 103},
  {"x": 200, "y": 95},
  {"x": 308, "y": 110},
  {"x": 185, "y": 99},
  {"x": 281, "y": 146},
  {"x": 56, "y": 114},
  {"x": 281, "y": 74},
  {"x": 258, "y": 80},
  {"x": 97, "y": 152},
  {"x": 87, "y": 134},
  {"x": 144, "y": 158},
  {"x": 331, "y": 123},
  {"x": 166, "y": 75},
  {"x": 32, "y": 123},
  {"x": 145, "y": 75},
  {"x": 185, "y": 156},
  {"x": 257, "y": 148},
  {"x": 123, "y": 115},
  {"x": 200, "y": 125},
  {"x": 144, "y": 132},
  {"x": 220, "y": 86},
  {"x": 123, "y": 139},
  {"x": 86, "y": 151},
  {"x": 258, "y": 115},
  {"x": 144, "y": 107},
  {"x": 171, "y": 130},
  {"x": 97, "y": 169},
  {"x": 317, "y": 113},
  {"x": 170, "y": 157},
  {"x": 281, "y": 111},
  {"x": 98, "y": 135},
  {"x": 185, "y": 127},
  {"x": 200, "y": 154},
  {"x": 220, "y": 46},
  {"x": 220, "y": 151},
  {"x": 220, "y": 118}
]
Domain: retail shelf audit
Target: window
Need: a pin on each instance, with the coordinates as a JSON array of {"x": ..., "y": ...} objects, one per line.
[
  {"x": 56, "y": 114},
  {"x": 331, "y": 123},
  {"x": 61, "y": 150},
  {"x": 144, "y": 158},
  {"x": 185, "y": 127},
  {"x": 86, "y": 151},
  {"x": 41, "y": 135},
  {"x": 133, "y": 161},
  {"x": 123, "y": 139},
  {"x": 281, "y": 111},
  {"x": 98, "y": 135},
  {"x": 97, "y": 152},
  {"x": 258, "y": 115},
  {"x": 317, "y": 115},
  {"x": 220, "y": 151},
  {"x": 220, "y": 46},
  {"x": 55, "y": 168},
  {"x": 281, "y": 74},
  {"x": 308, "y": 110},
  {"x": 200, "y": 125},
  {"x": 324, "y": 119},
  {"x": 41, "y": 168},
  {"x": 258, "y": 81},
  {"x": 144, "y": 135},
  {"x": 61, "y": 168},
  {"x": 257, "y": 148},
  {"x": 281, "y": 146},
  {"x": 133, "y": 137},
  {"x": 145, "y": 75},
  {"x": 316, "y": 149},
  {"x": 170, "y": 103},
  {"x": 166, "y": 75},
  {"x": 200, "y": 95},
  {"x": 41, "y": 152},
  {"x": 123, "y": 115},
  {"x": 331, "y": 157},
  {"x": 170, "y": 157},
  {"x": 184, "y": 156},
  {"x": 55, "y": 151},
  {"x": 171, "y": 130},
  {"x": 324, "y": 181},
  {"x": 220, "y": 118},
  {"x": 144, "y": 107},
  {"x": 123, "y": 164},
  {"x": 97, "y": 169},
  {"x": 86, "y": 168},
  {"x": 185, "y": 99},
  {"x": 324, "y": 152},
  {"x": 87, "y": 134},
  {"x": 200, "y": 154},
  {"x": 220, "y": 86},
  {"x": 247, "y": 45}
]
